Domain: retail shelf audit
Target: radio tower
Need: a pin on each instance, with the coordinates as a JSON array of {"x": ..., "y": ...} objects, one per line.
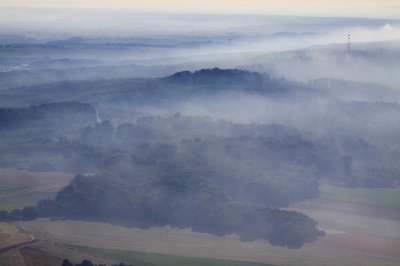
[{"x": 348, "y": 44}]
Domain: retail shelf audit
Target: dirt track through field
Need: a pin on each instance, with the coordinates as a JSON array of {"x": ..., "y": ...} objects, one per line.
[
  {"x": 9, "y": 236},
  {"x": 19, "y": 230}
]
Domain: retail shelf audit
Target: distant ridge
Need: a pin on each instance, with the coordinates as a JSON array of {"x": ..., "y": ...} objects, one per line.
[{"x": 219, "y": 76}]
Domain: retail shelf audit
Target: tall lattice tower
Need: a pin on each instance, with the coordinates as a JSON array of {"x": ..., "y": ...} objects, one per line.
[{"x": 349, "y": 44}]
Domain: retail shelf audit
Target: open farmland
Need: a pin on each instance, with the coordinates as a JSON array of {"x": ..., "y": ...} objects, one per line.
[
  {"x": 357, "y": 234},
  {"x": 366, "y": 220},
  {"x": 11, "y": 239},
  {"x": 113, "y": 239},
  {"x": 388, "y": 198},
  {"x": 20, "y": 188},
  {"x": 142, "y": 258},
  {"x": 18, "y": 247},
  {"x": 10, "y": 236}
]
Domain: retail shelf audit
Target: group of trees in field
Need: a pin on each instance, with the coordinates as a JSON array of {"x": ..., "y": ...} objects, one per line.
[{"x": 142, "y": 198}]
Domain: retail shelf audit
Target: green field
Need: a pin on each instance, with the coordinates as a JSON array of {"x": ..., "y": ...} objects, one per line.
[
  {"x": 9, "y": 206},
  {"x": 151, "y": 259},
  {"x": 378, "y": 197},
  {"x": 12, "y": 187}
]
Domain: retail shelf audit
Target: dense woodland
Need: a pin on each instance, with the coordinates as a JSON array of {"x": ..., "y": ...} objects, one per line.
[{"x": 199, "y": 172}]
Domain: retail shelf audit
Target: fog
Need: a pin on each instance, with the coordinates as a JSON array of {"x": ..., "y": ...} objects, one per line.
[
  {"x": 91, "y": 44},
  {"x": 214, "y": 123}
]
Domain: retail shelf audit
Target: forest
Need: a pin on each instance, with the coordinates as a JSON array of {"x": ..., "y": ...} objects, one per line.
[{"x": 206, "y": 173}]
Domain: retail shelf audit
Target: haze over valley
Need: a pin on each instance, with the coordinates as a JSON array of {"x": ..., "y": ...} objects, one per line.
[{"x": 145, "y": 137}]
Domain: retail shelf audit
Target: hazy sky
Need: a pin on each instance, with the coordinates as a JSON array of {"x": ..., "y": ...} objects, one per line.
[{"x": 375, "y": 8}]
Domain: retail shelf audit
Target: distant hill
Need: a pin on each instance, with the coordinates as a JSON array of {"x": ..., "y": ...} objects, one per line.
[
  {"x": 219, "y": 76},
  {"x": 181, "y": 85}
]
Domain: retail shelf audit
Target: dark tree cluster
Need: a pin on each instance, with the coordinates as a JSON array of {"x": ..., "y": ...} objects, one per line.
[{"x": 159, "y": 187}]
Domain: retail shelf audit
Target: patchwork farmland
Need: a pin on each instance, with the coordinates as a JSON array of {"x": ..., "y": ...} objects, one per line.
[{"x": 359, "y": 234}]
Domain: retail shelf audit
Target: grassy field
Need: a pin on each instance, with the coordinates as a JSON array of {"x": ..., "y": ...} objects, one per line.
[
  {"x": 9, "y": 206},
  {"x": 7, "y": 188},
  {"x": 12, "y": 187},
  {"x": 151, "y": 259},
  {"x": 378, "y": 197}
]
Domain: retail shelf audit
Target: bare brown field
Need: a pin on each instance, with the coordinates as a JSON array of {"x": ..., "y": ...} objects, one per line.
[
  {"x": 187, "y": 243},
  {"x": 9, "y": 236},
  {"x": 363, "y": 243},
  {"x": 21, "y": 188}
]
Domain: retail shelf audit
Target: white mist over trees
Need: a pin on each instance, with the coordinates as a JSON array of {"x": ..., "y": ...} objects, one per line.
[{"x": 208, "y": 122}]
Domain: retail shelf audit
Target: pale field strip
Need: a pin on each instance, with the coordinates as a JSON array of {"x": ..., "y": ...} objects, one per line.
[
  {"x": 329, "y": 231},
  {"x": 336, "y": 219},
  {"x": 12, "y": 176},
  {"x": 190, "y": 244},
  {"x": 349, "y": 208},
  {"x": 356, "y": 224}
]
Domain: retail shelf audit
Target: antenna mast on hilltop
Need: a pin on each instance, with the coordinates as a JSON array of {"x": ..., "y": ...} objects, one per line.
[{"x": 348, "y": 44}]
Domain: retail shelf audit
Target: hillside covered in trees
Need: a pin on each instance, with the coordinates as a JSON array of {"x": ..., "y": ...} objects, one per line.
[{"x": 153, "y": 166}]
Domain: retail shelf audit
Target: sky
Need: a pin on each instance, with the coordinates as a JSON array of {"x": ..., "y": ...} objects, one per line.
[{"x": 366, "y": 8}]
